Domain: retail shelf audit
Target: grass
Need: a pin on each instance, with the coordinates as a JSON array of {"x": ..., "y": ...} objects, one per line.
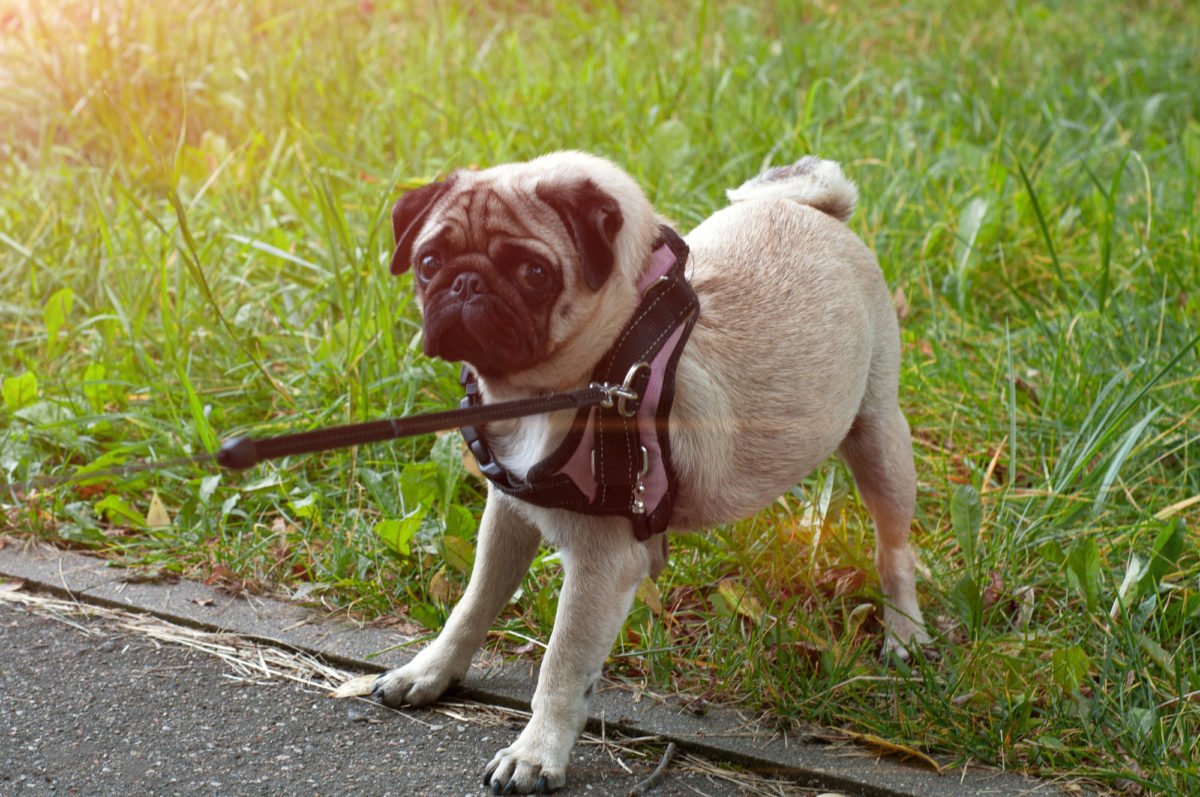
[{"x": 193, "y": 241}]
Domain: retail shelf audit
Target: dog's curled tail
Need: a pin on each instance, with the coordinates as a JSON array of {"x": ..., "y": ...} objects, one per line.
[{"x": 809, "y": 181}]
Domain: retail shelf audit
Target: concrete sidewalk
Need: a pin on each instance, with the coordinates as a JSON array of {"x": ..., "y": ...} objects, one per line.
[{"x": 722, "y": 736}]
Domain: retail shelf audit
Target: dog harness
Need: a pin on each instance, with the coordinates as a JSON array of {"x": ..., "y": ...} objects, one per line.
[{"x": 616, "y": 457}]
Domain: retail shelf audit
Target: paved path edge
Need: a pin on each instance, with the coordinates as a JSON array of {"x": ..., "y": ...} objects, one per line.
[{"x": 721, "y": 734}]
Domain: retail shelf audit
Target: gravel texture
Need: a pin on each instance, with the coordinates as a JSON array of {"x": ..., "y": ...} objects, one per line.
[{"x": 89, "y": 708}]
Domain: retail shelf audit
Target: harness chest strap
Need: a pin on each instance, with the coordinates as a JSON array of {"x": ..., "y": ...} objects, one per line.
[{"x": 616, "y": 457}]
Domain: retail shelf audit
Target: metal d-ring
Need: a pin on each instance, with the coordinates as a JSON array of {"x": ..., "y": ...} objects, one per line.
[
  {"x": 626, "y": 390},
  {"x": 654, "y": 284}
]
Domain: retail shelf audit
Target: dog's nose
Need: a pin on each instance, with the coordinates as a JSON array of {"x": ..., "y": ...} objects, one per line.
[{"x": 467, "y": 285}]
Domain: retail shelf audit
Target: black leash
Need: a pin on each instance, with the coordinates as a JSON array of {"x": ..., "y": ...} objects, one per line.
[{"x": 240, "y": 453}]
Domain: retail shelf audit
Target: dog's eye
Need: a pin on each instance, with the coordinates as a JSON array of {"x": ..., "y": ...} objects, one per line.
[
  {"x": 533, "y": 276},
  {"x": 428, "y": 264}
]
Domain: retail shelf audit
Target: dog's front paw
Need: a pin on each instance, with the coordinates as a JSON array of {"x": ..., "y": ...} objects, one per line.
[
  {"x": 903, "y": 637},
  {"x": 414, "y": 684},
  {"x": 527, "y": 768}
]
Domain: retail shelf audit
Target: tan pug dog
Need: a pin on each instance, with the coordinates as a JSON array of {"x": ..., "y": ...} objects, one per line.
[{"x": 528, "y": 271}]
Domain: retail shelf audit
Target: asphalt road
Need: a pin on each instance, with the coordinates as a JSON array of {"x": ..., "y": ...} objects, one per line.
[{"x": 89, "y": 707}]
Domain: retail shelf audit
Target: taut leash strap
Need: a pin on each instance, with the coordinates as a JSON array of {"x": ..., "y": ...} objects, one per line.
[{"x": 240, "y": 453}]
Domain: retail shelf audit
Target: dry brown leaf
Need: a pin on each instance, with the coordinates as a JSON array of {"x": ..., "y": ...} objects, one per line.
[
  {"x": 442, "y": 589},
  {"x": 739, "y": 599},
  {"x": 994, "y": 589},
  {"x": 862, "y": 612},
  {"x": 886, "y": 747},
  {"x": 469, "y": 463},
  {"x": 157, "y": 516},
  {"x": 359, "y": 686},
  {"x": 648, "y": 594},
  {"x": 1026, "y": 603}
]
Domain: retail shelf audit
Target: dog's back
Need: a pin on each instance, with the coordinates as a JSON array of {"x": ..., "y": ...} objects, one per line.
[{"x": 778, "y": 273}]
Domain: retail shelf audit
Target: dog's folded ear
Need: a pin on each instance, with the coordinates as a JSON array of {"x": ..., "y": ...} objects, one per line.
[
  {"x": 408, "y": 214},
  {"x": 594, "y": 218}
]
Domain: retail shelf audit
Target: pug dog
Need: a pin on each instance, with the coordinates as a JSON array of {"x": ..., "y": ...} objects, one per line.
[{"x": 528, "y": 272}]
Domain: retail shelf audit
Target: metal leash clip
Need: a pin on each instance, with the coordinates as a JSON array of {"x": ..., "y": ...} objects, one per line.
[
  {"x": 619, "y": 395},
  {"x": 613, "y": 394}
]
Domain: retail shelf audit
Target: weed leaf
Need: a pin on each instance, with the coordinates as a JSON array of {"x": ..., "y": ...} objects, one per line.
[
  {"x": 966, "y": 517},
  {"x": 396, "y": 533},
  {"x": 1168, "y": 547},
  {"x": 1083, "y": 570},
  {"x": 19, "y": 391},
  {"x": 55, "y": 314}
]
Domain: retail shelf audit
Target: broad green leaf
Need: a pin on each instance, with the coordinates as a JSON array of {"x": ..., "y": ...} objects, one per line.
[
  {"x": 418, "y": 486},
  {"x": 305, "y": 507},
  {"x": 1069, "y": 668},
  {"x": 459, "y": 553},
  {"x": 968, "y": 600},
  {"x": 447, "y": 455},
  {"x": 95, "y": 388},
  {"x": 208, "y": 486},
  {"x": 19, "y": 391},
  {"x": 55, "y": 314},
  {"x": 397, "y": 533},
  {"x": 1168, "y": 546},
  {"x": 1083, "y": 570},
  {"x": 460, "y": 522},
  {"x": 966, "y": 516},
  {"x": 118, "y": 511}
]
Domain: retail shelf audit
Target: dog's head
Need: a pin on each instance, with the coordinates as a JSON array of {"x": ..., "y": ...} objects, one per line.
[{"x": 525, "y": 271}]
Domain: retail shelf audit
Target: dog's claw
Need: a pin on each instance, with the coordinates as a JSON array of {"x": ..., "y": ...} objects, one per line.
[
  {"x": 510, "y": 788},
  {"x": 540, "y": 787}
]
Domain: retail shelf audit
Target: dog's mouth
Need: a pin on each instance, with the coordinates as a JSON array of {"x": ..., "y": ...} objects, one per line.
[{"x": 480, "y": 331}]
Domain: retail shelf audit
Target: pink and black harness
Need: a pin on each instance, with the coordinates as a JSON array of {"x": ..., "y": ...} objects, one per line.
[{"x": 616, "y": 457}]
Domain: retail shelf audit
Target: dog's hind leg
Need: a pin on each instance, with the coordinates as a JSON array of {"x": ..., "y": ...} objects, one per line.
[
  {"x": 878, "y": 450},
  {"x": 506, "y": 545}
]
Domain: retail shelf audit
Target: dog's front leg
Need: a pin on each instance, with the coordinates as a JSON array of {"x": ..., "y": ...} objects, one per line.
[
  {"x": 505, "y": 546},
  {"x": 602, "y": 567}
]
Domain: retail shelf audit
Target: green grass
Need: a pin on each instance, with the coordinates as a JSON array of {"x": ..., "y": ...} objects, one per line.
[{"x": 193, "y": 242}]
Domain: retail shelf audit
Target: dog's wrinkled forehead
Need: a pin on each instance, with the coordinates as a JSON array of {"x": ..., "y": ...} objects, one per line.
[
  {"x": 549, "y": 205},
  {"x": 481, "y": 215}
]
